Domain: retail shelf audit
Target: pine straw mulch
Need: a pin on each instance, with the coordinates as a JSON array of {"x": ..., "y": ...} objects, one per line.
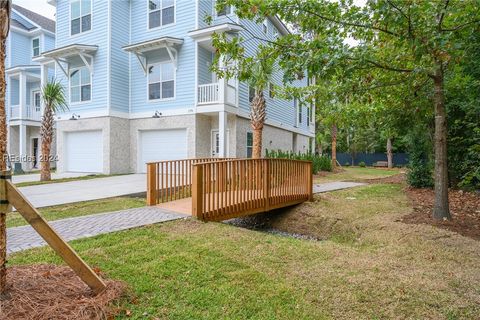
[
  {"x": 54, "y": 292},
  {"x": 464, "y": 208}
]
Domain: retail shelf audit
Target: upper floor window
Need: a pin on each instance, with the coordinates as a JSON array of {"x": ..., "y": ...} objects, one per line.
[
  {"x": 226, "y": 10},
  {"x": 80, "y": 85},
  {"x": 251, "y": 94},
  {"x": 265, "y": 26},
  {"x": 160, "y": 13},
  {"x": 80, "y": 16},
  {"x": 298, "y": 110},
  {"x": 36, "y": 47},
  {"x": 249, "y": 144},
  {"x": 309, "y": 115},
  {"x": 161, "y": 81},
  {"x": 271, "y": 90}
]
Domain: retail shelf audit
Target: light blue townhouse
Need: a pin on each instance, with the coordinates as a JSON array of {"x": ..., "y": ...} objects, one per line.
[
  {"x": 140, "y": 89},
  {"x": 30, "y": 34}
]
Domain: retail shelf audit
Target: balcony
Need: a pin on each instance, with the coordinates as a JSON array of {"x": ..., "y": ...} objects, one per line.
[
  {"x": 32, "y": 113},
  {"x": 217, "y": 93}
]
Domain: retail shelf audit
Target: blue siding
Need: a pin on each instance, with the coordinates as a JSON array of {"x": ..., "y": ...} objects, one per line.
[
  {"x": 98, "y": 35},
  {"x": 204, "y": 63},
  {"x": 22, "y": 50},
  {"x": 49, "y": 43},
  {"x": 14, "y": 91},
  {"x": 185, "y": 81},
  {"x": 204, "y": 10},
  {"x": 278, "y": 110},
  {"x": 119, "y": 78}
]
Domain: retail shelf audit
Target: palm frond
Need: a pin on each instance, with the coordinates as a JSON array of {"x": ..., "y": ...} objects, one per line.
[{"x": 53, "y": 96}]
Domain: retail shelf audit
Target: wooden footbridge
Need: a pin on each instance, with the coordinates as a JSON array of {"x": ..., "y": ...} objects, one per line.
[{"x": 215, "y": 189}]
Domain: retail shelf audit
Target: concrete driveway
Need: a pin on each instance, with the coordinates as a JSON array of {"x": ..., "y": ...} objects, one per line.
[
  {"x": 36, "y": 176},
  {"x": 84, "y": 190}
]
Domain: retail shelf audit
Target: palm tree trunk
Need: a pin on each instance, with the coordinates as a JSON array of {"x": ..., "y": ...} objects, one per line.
[
  {"x": 440, "y": 208},
  {"x": 4, "y": 28},
  {"x": 257, "y": 119},
  {"x": 389, "y": 153},
  {"x": 46, "y": 133},
  {"x": 334, "y": 145}
]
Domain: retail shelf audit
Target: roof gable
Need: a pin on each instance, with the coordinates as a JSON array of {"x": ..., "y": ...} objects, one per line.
[{"x": 34, "y": 18}]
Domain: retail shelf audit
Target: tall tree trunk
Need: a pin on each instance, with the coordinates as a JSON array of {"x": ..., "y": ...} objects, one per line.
[
  {"x": 257, "y": 119},
  {"x": 46, "y": 134},
  {"x": 334, "y": 145},
  {"x": 440, "y": 207},
  {"x": 4, "y": 28},
  {"x": 389, "y": 153}
]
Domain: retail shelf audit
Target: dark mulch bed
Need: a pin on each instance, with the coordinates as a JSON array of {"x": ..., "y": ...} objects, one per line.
[
  {"x": 395, "y": 179},
  {"x": 464, "y": 208},
  {"x": 55, "y": 292}
]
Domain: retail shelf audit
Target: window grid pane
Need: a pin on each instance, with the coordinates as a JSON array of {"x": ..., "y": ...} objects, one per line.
[
  {"x": 75, "y": 26},
  {"x": 86, "y": 92},
  {"x": 168, "y": 16},
  {"x": 154, "y": 19},
  {"x": 86, "y": 7},
  {"x": 75, "y": 10},
  {"x": 86, "y": 23},
  {"x": 154, "y": 91},
  {"x": 167, "y": 89}
]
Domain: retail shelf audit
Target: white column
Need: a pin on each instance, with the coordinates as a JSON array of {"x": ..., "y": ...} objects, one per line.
[
  {"x": 22, "y": 139},
  {"x": 43, "y": 81},
  {"x": 22, "y": 99},
  {"x": 222, "y": 134}
]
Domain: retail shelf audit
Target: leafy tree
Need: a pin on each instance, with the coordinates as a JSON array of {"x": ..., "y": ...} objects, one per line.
[
  {"x": 54, "y": 100},
  {"x": 5, "y": 7},
  {"x": 417, "y": 41}
]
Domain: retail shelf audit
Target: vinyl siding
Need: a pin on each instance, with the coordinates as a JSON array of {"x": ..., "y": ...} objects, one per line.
[
  {"x": 278, "y": 110},
  {"x": 49, "y": 43},
  {"x": 14, "y": 90},
  {"x": 119, "y": 65},
  {"x": 185, "y": 81},
  {"x": 21, "y": 50},
  {"x": 96, "y": 36},
  {"x": 204, "y": 63},
  {"x": 204, "y": 10}
]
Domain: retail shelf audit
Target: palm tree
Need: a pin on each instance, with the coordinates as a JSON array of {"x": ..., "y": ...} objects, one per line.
[
  {"x": 5, "y": 7},
  {"x": 259, "y": 79},
  {"x": 54, "y": 100}
]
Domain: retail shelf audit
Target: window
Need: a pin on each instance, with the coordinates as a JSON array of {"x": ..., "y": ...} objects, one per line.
[
  {"x": 265, "y": 26},
  {"x": 251, "y": 94},
  {"x": 226, "y": 10},
  {"x": 275, "y": 33},
  {"x": 308, "y": 115},
  {"x": 36, "y": 47},
  {"x": 249, "y": 144},
  {"x": 160, "y": 13},
  {"x": 80, "y": 16},
  {"x": 36, "y": 100},
  {"x": 80, "y": 85},
  {"x": 271, "y": 91},
  {"x": 161, "y": 81},
  {"x": 298, "y": 109}
]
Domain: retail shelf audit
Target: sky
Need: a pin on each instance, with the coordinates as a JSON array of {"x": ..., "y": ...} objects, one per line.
[{"x": 38, "y": 6}]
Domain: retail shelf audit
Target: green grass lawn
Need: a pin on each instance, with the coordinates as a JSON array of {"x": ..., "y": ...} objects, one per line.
[
  {"x": 357, "y": 173},
  {"x": 370, "y": 265},
  {"x": 88, "y": 177},
  {"x": 63, "y": 211}
]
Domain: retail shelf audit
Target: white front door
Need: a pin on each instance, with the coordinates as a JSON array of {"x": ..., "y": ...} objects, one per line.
[
  {"x": 158, "y": 145},
  {"x": 84, "y": 151},
  {"x": 216, "y": 143}
]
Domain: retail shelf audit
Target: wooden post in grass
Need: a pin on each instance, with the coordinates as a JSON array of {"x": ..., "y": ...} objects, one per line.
[
  {"x": 5, "y": 208},
  {"x": 60, "y": 246}
]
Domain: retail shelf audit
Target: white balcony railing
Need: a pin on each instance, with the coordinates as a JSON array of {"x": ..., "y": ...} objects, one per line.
[
  {"x": 208, "y": 93},
  {"x": 213, "y": 93},
  {"x": 26, "y": 113}
]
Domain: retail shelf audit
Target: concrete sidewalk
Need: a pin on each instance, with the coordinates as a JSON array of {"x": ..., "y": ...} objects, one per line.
[
  {"x": 336, "y": 185},
  {"x": 25, "y": 237},
  {"x": 31, "y": 177},
  {"x": 84, "y": 190}
]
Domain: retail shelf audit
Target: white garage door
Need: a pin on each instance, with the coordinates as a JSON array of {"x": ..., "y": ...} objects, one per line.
[
  {"x": 157, "y": 145},
  {"x": 84, "y": 151}
]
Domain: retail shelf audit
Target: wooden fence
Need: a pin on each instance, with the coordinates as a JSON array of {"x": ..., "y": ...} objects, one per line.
[
  {"x": 171, "y": 180},
  {"x": 233, "y": 188}
]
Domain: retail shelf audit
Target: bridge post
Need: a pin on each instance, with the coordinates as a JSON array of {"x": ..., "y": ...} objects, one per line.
[
  {"x": 197, "y": 191},
  {"x": 310, "y": 182},
  {"x": 266, "y": 183},
  {"x": 152, "y": 184}
]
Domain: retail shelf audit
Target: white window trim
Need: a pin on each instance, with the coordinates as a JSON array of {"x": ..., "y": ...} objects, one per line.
[
  {"x": 70, "y": 19},
  {"x": 70, "y": 87},
  {"x": 215, "y": 12},
  {"x": 32, "y": 99},
  {"x": 246, "y": 144},
  {"x": 39, "y": 47},
  {"x": 265, "y": 26},
  {"x": 174, "y": 82},
  {"x": 298, "y": 112},
  {"x": 162, "y": 26}
]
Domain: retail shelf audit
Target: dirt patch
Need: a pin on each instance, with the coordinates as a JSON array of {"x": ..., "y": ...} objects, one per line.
[
  {"x": 55, "y": 292},
  {"x": 395, "y": 179},
  {"x": 464, "y": 208}
]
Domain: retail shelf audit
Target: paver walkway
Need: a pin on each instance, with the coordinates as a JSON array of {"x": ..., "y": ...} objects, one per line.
[
  {"x": 22, "y": 238},
  {"x": 336, "y": 185}
]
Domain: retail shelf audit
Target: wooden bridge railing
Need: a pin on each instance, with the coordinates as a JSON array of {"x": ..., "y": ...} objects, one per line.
[
  {"x": 233, "y": 188},
  {"x": 171, "y": 179}
]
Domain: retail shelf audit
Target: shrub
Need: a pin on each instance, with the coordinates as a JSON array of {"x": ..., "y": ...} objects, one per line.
[
  {"x": 420, "y": 167},
  {"x": 362, "y": 164},
  {"x": 320, "y": 163}
]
